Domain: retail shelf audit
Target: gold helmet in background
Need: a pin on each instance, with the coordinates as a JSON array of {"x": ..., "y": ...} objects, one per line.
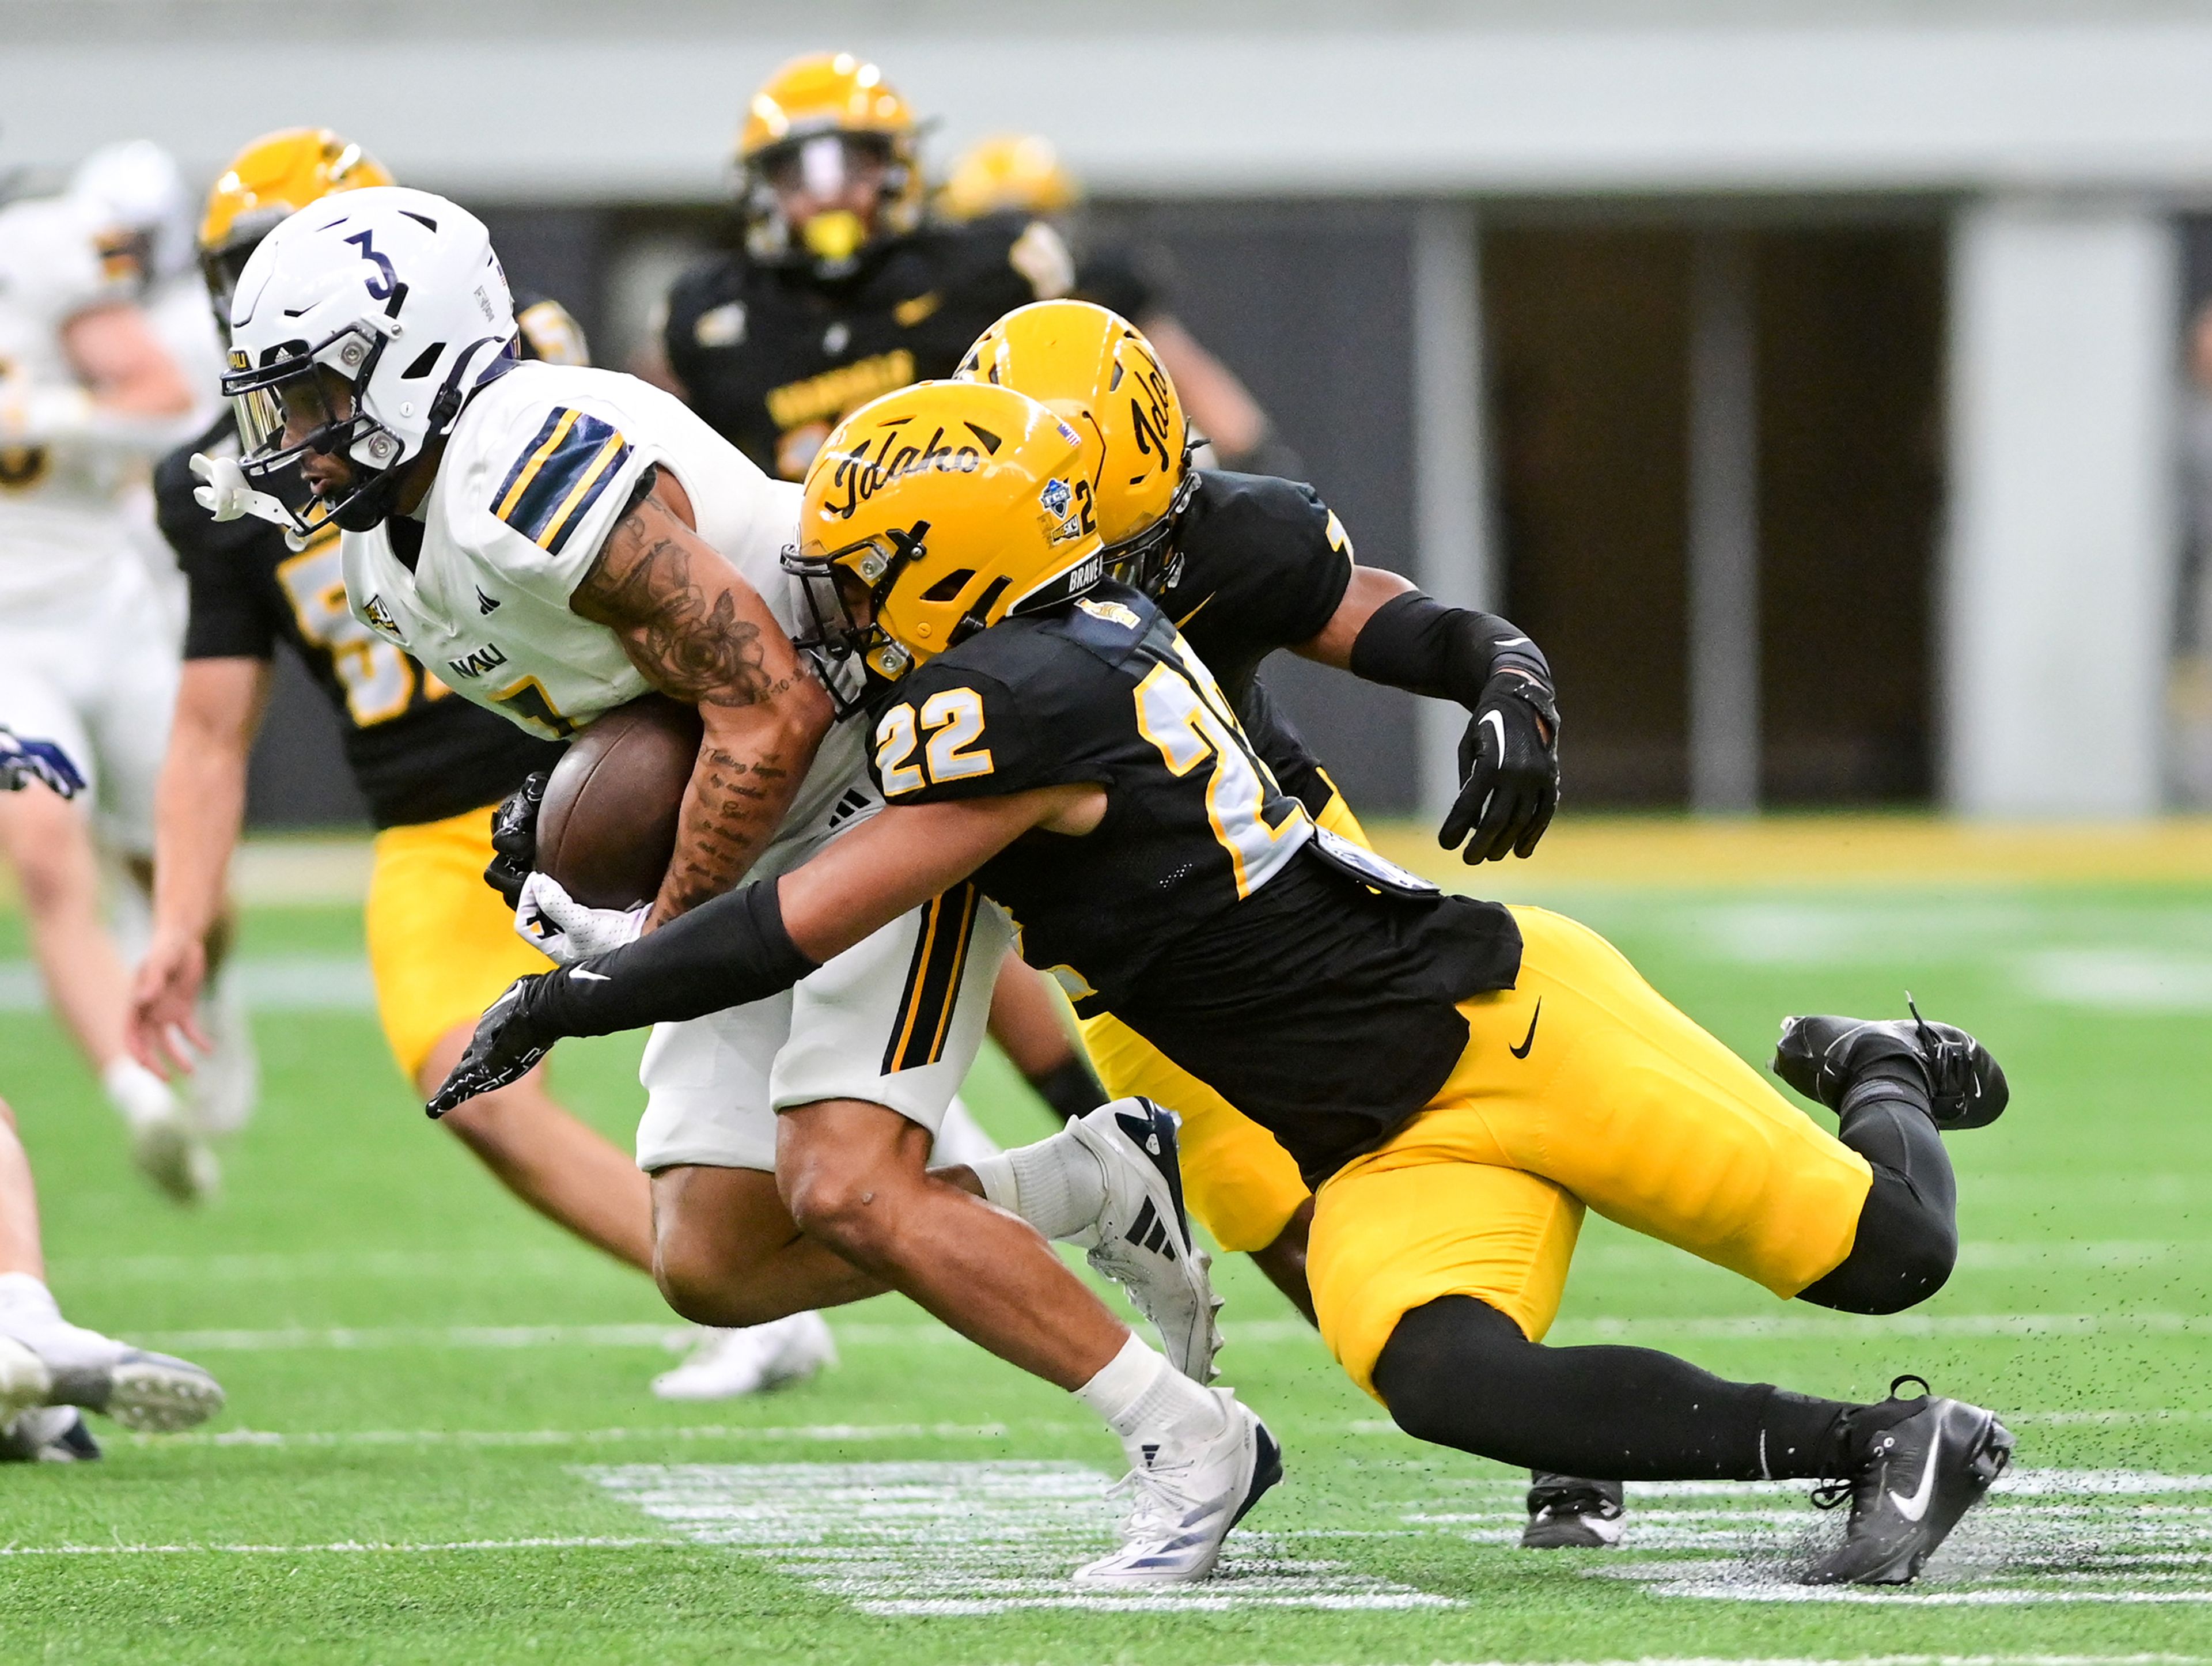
[
  {"x": 266, "y": 183},
  {"x": 936, "y": 511},
  {"x": 1005, "y": 172},
  {"x": 1095, "y": 370},
  {"x": 861, "y": 119}
]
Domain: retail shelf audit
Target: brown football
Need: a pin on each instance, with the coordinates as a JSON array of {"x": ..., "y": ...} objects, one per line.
[{"x": 607, "y": 827}]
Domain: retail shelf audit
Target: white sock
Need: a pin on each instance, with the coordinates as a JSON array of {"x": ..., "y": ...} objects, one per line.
[
  {"x": 25, "y": 1294},
  {"x": 1057, "y": 1184},
  {"x": 138, "y": 1092},
  {"x": 1141, "y": 1398}
]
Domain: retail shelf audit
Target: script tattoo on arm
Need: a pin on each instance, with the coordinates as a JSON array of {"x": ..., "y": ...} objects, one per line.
[{"x": 699, "y": 633}]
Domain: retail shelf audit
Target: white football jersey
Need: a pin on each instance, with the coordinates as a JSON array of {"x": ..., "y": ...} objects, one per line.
[
  {"x": 61, "y": 525},
  {"x": 536, "y": 472}
]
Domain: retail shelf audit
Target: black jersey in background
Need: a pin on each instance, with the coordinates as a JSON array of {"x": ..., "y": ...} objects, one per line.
[
  {"x": 772, "y": 356},
  {"x": 418, "y": 752}
]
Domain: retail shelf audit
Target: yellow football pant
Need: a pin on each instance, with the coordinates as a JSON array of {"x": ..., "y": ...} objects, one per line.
[
  {"x": 441, "y": 944},
  {"x": 1621, "y": 1104},
  {"x": 1242, "y": 1186}
]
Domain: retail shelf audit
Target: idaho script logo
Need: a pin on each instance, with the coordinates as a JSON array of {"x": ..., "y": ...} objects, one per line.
[{"x": 859, "y": 475}]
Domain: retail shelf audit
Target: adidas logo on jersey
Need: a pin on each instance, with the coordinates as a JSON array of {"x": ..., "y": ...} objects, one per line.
[
  {"x": 845, "y": 808},
  {"x": 486, "y": 605}
]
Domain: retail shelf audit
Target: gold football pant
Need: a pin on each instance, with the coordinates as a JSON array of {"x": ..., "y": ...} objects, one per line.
[
  {"x": 1242, "y": 1186},
  {"x": 441, "y": 944},
  {"x": 1580, "y": 1088}
]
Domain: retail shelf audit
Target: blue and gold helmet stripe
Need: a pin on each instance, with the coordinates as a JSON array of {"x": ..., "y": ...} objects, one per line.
[{"x": 559, "y": 476}]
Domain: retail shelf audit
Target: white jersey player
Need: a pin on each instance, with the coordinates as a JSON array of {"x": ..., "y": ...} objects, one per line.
[
  {"x": 555, "y": 542},
  {"x": 87, "y": 652}
]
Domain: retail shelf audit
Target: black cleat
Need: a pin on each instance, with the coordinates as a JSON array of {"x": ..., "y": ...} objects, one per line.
[
  {"x": 47, "y": 1434},
  {"x": 1821, "y": 1057},
  {"x": 1566, "y": 1512},
  {"x": 1916, "y": 1478}
]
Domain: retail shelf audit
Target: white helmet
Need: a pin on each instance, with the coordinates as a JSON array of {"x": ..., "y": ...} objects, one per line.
[
  {"x": 135, "y": 188},
  {"x": 394, "y": 294}
]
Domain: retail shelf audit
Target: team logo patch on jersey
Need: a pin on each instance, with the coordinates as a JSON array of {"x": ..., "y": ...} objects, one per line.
[
  {"x": 559, "y": 476},
  {"x": 1112, "y": 612},
  {"x": 380, "y": 616}
]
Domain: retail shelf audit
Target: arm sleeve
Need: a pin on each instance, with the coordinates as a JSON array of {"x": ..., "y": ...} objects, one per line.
[
  {"x": 1417, "y": 643},
  {"x": 727, "y": 952}
]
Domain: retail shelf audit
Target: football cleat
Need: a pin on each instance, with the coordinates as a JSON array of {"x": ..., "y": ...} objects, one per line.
[
  {"x": 729, "y": 1363},
  {"x": 1142, "y": 1239},
  {"x": 1915, "y": 1479},
  {"x": 46, "y": 1361},
  {"x": 1566, "y": 1512},
  {"x": 223, "y": 1091},
  {"x": 1821, "y": 1057},
  {"x": 47, "y": 1434},
  {"x": 168, "y": 1147},
  {"x": 1187, "y": 1498}
]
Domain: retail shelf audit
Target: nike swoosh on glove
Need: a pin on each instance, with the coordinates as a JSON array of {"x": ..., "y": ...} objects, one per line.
[
  {"x": 564, "y": 930},
  {"x": 501, "y": 1053},
  {"x": 228, "y": 498},
  {"x": 1508, "y": 764},
  {"x": 514, "y": 839},
  {"x": 25, "y": 761}
]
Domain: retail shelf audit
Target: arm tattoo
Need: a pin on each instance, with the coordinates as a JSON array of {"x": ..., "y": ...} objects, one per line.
[{"x": 691, "y": 650}]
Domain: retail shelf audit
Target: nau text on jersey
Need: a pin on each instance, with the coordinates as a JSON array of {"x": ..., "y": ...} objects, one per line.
[{"x": 476, "y": 664}]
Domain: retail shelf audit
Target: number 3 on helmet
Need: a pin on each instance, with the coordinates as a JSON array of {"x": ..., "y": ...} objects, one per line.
[
  {"x": 358, "y": 327},
  {"x": 936, "y": 511}
]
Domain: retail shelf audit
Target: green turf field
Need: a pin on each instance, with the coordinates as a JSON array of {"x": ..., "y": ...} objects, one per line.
[{"x": 439, "y": 1446}]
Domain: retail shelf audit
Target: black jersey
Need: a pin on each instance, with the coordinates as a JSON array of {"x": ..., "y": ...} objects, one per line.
[
  {"x": 418, "y": 753},
  {"x": 1198, "y": 911},
  {"x": 1265, "y": 565},
  {"x": 773, "y": 356}
]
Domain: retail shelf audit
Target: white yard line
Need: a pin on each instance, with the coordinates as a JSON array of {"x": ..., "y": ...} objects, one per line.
[
  {"x": 346, "y": 1546},
  {"x": 497, "y": 1437}
]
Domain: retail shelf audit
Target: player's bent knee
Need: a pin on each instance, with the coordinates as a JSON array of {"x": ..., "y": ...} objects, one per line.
[
  {"x": 1437, "y": 1360},
  {"x": 1902, "y": 1253},
  {"x": 53, "y": 858},
  {"x": 712, "y": 1274}
]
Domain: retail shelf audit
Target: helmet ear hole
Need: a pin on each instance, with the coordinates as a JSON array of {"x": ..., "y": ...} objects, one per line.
[
  {"x": 949, "y": 588},
  {"x": 425, "y": 362}
]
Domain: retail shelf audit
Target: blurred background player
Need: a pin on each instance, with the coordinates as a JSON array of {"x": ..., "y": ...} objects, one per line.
[
  {"x": 1022, "y": 173},
  {"x": 431, "y": 767},
  {"x": 843, "y": 287},
  {"x": 88, "y": 396},
  {"x": 49, "y": 1368}
]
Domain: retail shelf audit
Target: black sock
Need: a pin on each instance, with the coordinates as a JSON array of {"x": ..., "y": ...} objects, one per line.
[
  {"x": 1071, "y": 1087},
  {"x": 1908, "y": 1232},
  {"x": 1459, "y": 1372}
]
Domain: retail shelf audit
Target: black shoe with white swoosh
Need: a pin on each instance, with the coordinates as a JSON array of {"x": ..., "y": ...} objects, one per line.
[
  {"x": 1916, "y": 1478},
  {"x": 1821, "y": 1057}
]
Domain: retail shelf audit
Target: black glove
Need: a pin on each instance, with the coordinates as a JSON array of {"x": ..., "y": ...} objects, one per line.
[
  {"x": 514, "y": 837},
  {"x": 504, "y": 1048},
  {"x": 1508, "y": 764}
]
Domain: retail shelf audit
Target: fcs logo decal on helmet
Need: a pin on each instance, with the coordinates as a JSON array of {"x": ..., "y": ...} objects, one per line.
[
  {"x": 1096, "y": 370},
  {"x": 907, "y": 547},
  {"x": 360, "y": 326}
]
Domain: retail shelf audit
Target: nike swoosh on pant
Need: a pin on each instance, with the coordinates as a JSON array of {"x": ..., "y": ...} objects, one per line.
[
  {"x": 1528, "y": 1040},
  {"x": 1914, "y": 1508}
]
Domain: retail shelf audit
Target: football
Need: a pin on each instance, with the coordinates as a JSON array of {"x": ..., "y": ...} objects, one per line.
[{"x": 607, "y": 827}]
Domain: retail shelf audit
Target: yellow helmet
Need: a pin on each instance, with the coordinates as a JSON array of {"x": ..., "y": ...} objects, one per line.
[
  {"x": 833, "y": 95},
  {"x": 1097, "y": 371},
  {"x": 1008, "y": 171},
  {"x": 949, "y": 506},
  {"x": 266, "y": 183}
]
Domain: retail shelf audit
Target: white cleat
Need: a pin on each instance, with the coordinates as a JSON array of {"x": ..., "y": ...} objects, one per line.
[
  {"x": 168, "y": 1147},
  {"x": 46, "y": 1361},
  {"x": 47, "y": 1434},
  {"x": 1142, "y": 1239},
  {"x": 1187, "y": 1497},
  {"x": 729, "y": 1363}
]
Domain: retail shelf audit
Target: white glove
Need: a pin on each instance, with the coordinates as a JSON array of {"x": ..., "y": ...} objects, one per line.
[
  {"x": 228, "y": 498},
  {"x": 564, "y": 930}
]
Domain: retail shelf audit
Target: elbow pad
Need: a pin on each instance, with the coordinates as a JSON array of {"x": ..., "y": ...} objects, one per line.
[
  {"x": 1417, "y": 643},
  {"x": 728, "y": 952}
]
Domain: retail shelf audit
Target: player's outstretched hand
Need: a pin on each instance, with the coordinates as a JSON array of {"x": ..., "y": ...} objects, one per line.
[
  {"x": 22, "y": 762},
  {"x": 502, "y": 1050},
  {"x": 564, "y": 930},
  {"x": 1509, "y": 766},
  {"x": 514, "y": 838}
]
